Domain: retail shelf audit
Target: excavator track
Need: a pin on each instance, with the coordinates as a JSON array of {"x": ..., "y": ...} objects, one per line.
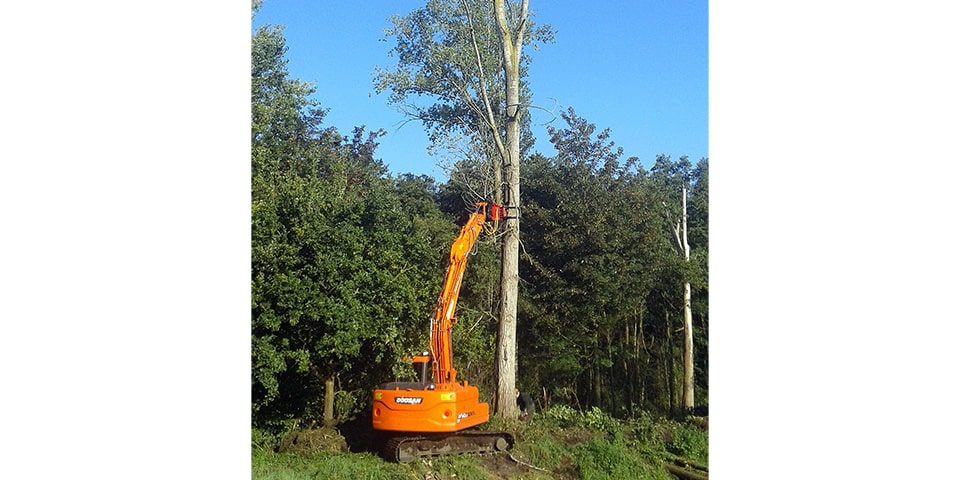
[{"x": 403, "y": 449}]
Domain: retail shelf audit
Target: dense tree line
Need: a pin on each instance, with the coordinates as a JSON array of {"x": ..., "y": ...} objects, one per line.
[
  {"x": 343, "y": 256},
  {"x": 347, "y": 259},
  {"x": 602, "y": 281}
]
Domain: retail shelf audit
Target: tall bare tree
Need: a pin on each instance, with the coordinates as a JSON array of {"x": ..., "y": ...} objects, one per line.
[
  {"x": 683, "y": 247},
  {"x": 511, "y": 45}
]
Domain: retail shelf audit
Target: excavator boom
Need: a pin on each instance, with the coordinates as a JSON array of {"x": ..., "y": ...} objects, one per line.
[{"x": 442, "y": 322}]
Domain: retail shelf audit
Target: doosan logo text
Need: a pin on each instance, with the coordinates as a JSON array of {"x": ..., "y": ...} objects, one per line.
[{"x": 408, "y": 400}]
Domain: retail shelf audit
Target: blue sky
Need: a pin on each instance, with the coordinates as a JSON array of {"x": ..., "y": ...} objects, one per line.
[{"x": 636, "y": 67}]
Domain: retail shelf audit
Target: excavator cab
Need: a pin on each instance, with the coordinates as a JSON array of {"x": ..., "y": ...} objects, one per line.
[{"x": 421, "y": 365}]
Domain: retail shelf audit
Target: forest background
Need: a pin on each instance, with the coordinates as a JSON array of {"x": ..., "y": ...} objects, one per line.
[{"x": 126, "y": 259}]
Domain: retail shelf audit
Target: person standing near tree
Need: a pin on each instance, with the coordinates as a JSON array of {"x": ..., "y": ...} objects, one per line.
[{"x": 525, "y": 404}]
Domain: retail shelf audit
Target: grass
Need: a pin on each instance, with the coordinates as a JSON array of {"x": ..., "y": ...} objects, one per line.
[
  {"x": 268, "y": 465},
  {"x": 602, "y": 459},
  {"x": 463, "y": 467},
  {"x": 560, "y": 442}
]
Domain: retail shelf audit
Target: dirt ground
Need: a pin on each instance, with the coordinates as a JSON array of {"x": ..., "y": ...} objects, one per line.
[{"x": 500, "y": 466}]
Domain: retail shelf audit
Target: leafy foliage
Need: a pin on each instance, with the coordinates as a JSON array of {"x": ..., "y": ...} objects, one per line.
[
  {"x": 601, "y": 276},
  {"x": 343, "y": 257},
  {"x": 689, "y": 441},
  {"x": 437, "y": 78}
]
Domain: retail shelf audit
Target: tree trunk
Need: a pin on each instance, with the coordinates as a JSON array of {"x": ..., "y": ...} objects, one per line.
[
  {"x": 629, "y": 392},
  {"x": 506, "y": 356},
  {"x": 511, "y": 44},
  {"x": 597, "y": 371},
  {"x": 687, "y": 350},
  {"x": 638, "y": 340},
  {"x": 670, "y": 368},
  {"x": 684, "y": 473},
  {"x": 687, "y": 322},
  {"x": 328, "y": 403}
]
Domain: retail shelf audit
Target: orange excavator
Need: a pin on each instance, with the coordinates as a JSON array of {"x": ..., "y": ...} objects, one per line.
[{"x": 435, "y": 415}]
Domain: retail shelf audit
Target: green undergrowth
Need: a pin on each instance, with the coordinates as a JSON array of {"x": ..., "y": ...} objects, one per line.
[
  {"x": 592, "y": 444},
  {"x": 559, "y": 443},
  {"x": 462, "y": 467},
  {"x": 688, "y": 441},
  {"x": 268, "y": 465}
]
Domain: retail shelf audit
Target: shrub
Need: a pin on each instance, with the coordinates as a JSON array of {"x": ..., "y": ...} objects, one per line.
[
  {"x": 690, "y": 442},
  {"x": 263, "y": 440},
  {"x": 596, "y": 419},
  {"x": 562, "y": 416}
]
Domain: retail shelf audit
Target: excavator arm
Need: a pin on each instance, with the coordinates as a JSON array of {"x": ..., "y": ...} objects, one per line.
[{"x": 443, "y": 316}]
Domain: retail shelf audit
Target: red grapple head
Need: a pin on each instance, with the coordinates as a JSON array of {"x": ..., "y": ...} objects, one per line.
[{"x": 497, "y": 212}]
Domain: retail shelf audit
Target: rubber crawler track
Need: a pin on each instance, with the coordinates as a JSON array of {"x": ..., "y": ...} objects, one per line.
[{"x": 403, "y": 449}]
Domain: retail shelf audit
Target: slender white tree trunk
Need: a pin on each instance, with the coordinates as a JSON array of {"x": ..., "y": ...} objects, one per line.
[{"x": 687, "y": 321}]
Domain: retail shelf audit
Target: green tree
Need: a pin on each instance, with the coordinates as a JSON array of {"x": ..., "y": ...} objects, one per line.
[
  {"x": 601, "y": 276},
  {"x": 283, "y": 118},
  {"x": 344, "y": 258},
  {"x": 592, "y": 239},
  {"x": 677, "y": 182}
]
